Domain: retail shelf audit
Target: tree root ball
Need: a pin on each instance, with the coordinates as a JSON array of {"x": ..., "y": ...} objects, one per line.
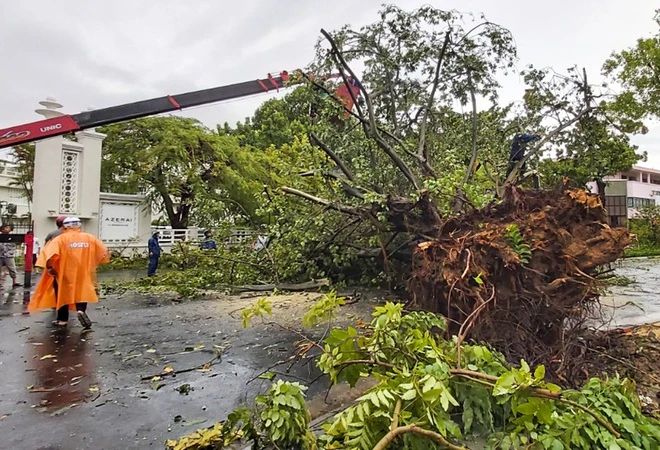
[{"x": 519, "y": 274}]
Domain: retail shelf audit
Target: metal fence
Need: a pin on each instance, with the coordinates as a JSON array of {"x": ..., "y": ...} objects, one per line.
[{"x": 169, "y": 236}]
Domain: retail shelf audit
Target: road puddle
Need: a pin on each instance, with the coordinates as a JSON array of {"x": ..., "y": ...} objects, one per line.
[
  {"x": 14, "y": 301},
  {"x": 62, "y": 367}
]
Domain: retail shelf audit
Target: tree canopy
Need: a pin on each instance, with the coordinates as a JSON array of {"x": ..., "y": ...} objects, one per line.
[
  {"x": 186, "y": 170},
  {"x": 428, "y": 137}
]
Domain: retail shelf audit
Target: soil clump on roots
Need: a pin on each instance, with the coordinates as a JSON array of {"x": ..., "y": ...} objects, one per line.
[
  {"x": 521, "y": 273},
  {"x": 632, "y": 353}
]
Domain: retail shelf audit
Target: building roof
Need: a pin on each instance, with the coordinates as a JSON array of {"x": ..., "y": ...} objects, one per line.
[{"x": 646, "y": 169}]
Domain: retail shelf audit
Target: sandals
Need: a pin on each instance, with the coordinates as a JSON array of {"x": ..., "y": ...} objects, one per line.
[
  {"x": 84, "y": 319},
  {"x": 57, "y": 324}
]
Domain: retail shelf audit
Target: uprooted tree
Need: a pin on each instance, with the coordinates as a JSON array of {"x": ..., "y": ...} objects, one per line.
[{"x": 412, "y": 179}]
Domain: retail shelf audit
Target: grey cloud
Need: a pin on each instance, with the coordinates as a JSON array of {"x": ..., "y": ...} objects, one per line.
[{"x": 103, "y": 54}]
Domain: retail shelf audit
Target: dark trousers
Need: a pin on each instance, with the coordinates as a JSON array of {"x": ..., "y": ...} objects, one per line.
[
  {"x": 153, "y": 265},
  {"x": 63, "y": 312}
]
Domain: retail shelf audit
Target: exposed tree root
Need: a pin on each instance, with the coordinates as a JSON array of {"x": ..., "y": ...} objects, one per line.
[{"x": 524, "y": 296}]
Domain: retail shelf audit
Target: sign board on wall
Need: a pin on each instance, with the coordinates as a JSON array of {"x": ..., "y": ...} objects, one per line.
[{"x": 119, "y": 221}]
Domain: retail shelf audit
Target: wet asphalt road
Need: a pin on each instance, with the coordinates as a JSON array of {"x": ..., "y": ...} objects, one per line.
[
  {"x": 75, "y": 390},
  {"x": 639, "y": 302}
]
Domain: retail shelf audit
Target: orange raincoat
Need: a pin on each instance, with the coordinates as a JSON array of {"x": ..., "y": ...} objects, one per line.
[{"x": 74, "y": 255}]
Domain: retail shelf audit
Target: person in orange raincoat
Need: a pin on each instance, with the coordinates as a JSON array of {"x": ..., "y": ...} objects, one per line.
[{"x": 71, "y": 260}]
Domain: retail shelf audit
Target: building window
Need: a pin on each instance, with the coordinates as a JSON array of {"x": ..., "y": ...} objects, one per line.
[
  {"x": 645, "y": 178},
  {"x": 636, "y": 202},
  {"x": 69, "y": 189},
  {"x": 616, "y": 205}
]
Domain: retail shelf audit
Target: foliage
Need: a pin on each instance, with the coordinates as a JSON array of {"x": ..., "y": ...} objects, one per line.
[
  {"x": 323, "y": 310},
  {"x": 454, "y": 390},
  {"x": 636, "y": 69},
  {"x": 23, "y": 156},
  {"x": 189, "y": 173},
  {"x": 189, "y": 271},
  {"x": 646, "y": 226},
  {"x": 515, "y": 238},
  {"x": 639, "y": 251},
  {"x": 237, "y": 426},
  {"x": 277, "y": 122},
  {"x": 284, "y": 416},
  {"x": 619, "y": 280},
  {"x": 261, "y": 308},
  {"x": 595, "y": 142},
  {"x": 417, "y": 66}
]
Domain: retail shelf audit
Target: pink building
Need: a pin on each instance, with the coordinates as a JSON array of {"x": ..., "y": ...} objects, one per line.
[{"x": 626, "y": 192}]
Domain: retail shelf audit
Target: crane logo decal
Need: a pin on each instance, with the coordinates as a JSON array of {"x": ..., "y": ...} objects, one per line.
[
  {"x": 37, "y": 130},
  {"x": 12, "y": 136},
  {"x": 57, "y": 126}
]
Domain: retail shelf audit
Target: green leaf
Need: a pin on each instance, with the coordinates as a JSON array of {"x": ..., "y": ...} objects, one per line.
[
  {"x": 428, "y": 385},
  {"x": 527, "y": 408},
  {"x": 539, "y": 373},
  {"x": 409, "y": 395},
  {"x": 524, "y": 366},
  {"x": 504, "y": 384}
]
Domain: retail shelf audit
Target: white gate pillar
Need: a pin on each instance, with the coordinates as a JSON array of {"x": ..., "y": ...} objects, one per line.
[
  {"x": 47, "y": 176},
  {"x": 89, "y": 187},
  {"x": 67, "y": 177}
]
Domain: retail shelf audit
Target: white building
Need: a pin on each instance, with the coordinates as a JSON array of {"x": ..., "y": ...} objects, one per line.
[
  {"x": 626, "y": 192},
  {"x": 13, "y": 194}
]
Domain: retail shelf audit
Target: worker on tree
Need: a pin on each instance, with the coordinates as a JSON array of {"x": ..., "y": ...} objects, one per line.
[
  {"x": 518, "y": 150},
  {"x": 154, "y": 254},
  {"x": 71, "y": 259}
]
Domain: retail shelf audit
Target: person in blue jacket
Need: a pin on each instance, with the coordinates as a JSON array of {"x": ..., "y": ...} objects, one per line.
[
  {"x": 208, "y": 243},
  {"x": 154, "y": 254},
  {"x": 518, "y": 150}
]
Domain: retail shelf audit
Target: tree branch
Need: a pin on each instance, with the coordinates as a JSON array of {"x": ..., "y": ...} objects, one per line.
[
  {"x": 366, "y": 122},
  {"x": 475, "y": 125},
  {"x": 349, "y": 189},
  {"x": 338, "y": 161},
  {"x": 373, "y": 129},
  {"x": 389, "y": 437},
  {"x": 321, "y": 201},
  {"x": 491, "y": 380},
  {"x": 422, "y": 154}
]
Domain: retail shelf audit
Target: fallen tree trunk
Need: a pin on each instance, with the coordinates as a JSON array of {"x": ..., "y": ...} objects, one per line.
[{"x": 312, "y": 284}]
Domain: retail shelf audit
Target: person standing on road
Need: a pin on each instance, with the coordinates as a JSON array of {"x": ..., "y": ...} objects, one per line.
[
  {"x": 154, "y": 254},
  {"x": 59, "y": 222},
  {"x": 208, "y": 243},
  {"x": 7, "y": 253},
  {"x": 60, "y": 229},
  {"x": 71, "y": 259}
]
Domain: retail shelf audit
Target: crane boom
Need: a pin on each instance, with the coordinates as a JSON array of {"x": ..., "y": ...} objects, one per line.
[{"x": 57, "y": 126}]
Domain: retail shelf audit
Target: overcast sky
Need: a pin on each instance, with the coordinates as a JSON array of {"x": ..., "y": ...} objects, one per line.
[{"x": 104, "y": 53}]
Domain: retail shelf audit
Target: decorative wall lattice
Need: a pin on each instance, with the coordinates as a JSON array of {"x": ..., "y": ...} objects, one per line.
[{"x": 69, "y": 185}]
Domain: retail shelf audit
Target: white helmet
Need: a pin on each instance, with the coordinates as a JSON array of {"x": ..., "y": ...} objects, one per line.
[{"x": 72, "y": 222}]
